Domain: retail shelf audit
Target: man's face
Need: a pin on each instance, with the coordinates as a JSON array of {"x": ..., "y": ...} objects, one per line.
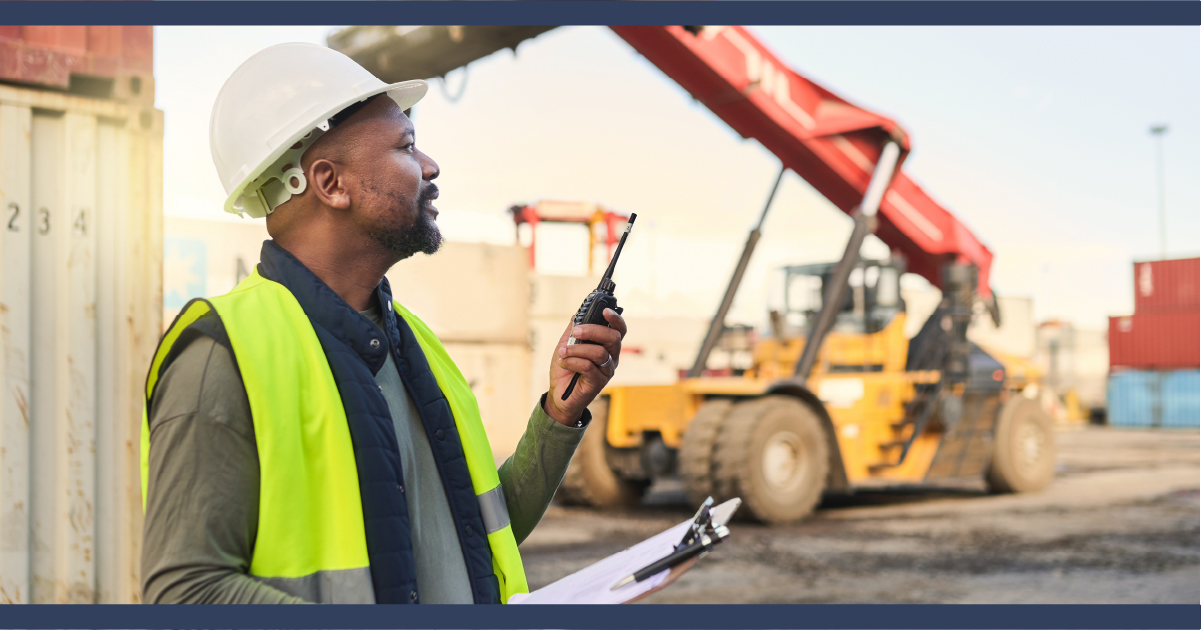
[{"x": 395, "y": 193}]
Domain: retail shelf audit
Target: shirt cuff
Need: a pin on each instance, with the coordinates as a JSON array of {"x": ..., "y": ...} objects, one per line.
[{"x": 541, "y": 417}]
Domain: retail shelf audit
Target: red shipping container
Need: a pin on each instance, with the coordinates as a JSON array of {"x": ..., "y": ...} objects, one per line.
[
  {"x": 52, "y": 55},
  {"x": 1155, "y": 341},
  {"x": 1164, "y": 286}
]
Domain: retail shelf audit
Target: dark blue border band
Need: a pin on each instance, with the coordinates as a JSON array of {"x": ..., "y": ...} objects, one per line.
[
  {"x": 546, "y": 12},
  {"x": 667, "y": 617},
  {"x": 814, "y": 12}
]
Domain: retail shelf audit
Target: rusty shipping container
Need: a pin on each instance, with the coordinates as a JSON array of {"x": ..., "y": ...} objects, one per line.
[
  {"x": 1167, "y": 286},
  {"x": 97, "y": 61},
  {"x": 80, "y": 314},
  {"x": 1155, "y": 341}
]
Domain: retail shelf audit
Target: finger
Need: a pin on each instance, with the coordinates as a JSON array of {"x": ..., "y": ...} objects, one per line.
[
  {"x": 612, "y": 352},
  {"x": 605, "y": 351},
  {"x": 604, "y": 360},
  {"x": 596, "y": 333},
  {"x": 613, "y": 345},
  {"x": 584, "y": 367},
  {"x": 596, "y": 354},
  {"x": 616, "y": 322}
]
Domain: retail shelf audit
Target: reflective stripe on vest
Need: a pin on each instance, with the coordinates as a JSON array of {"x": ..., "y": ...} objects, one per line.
[
  {"x": 494, "y": 510},
  {"x": 311, "y": 541}
]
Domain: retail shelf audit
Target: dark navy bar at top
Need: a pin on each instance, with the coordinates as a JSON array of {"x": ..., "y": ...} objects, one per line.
[
  {"x": 548, "y": 12},
  {"x": 699, "y": 617}
]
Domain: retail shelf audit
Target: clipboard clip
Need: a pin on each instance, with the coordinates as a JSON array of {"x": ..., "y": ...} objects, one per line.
[
  {"x": 702, "y": 524},
  {"x": 700, "y": 538}
]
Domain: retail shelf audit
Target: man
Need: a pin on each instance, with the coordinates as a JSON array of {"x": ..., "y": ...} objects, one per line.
[{"x": 308, "y": 439}]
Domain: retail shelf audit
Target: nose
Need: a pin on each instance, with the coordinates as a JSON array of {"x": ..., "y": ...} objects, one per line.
[{"x": 429, "y": 168}]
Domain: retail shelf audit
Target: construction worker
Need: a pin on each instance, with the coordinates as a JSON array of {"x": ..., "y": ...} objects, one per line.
[{"x": 308, "y": 439}]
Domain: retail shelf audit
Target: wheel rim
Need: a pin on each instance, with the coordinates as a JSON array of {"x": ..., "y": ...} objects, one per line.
[
  {"x": 782, "y": 462},
  {"x": 1031, "y": 446}
]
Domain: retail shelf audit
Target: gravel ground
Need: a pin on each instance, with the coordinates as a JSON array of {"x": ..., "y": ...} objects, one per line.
[{"x": 1118, "y": 525}]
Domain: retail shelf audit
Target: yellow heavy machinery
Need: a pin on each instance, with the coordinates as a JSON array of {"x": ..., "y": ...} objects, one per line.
[
  {"x": 837, "y": 398},
  {"x": 876, "y": 409}
]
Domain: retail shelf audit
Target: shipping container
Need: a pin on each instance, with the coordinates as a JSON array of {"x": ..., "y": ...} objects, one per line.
[
  {"x": 1139, "y": 398},
  {"x": 1167, "y": 286},
  {"x": 449, "y": 291},
  {"x": 114, "y": 62},
  {"x": 1076, "y": 361},
  {"x": 80, "y": 315},
  {"x": 499, "y": 377},
  {"x": 468, "y": 292},
  {"x": 206, "y": 258},
  {"x": 1016, "y": 336},
  {"x": 1158, "y": 341},
  {"x": 559, "y": 296}
]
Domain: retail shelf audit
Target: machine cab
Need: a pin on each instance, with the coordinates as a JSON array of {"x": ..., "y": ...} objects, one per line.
[
  {"x": 870, "y": 306},
  {"x": 868, "y": 332}
]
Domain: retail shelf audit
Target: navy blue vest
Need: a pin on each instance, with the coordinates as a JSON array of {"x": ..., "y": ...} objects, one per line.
[{"x": 346, "y": 337}]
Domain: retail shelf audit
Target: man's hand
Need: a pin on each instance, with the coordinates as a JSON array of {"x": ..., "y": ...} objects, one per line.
[{"x": 594, "y": 363}]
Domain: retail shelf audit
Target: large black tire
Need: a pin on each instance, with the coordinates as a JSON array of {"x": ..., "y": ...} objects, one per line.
[
  {"x": 1024, "y": 448},
  {"x": 696, "y": 449},
  {"x": 589, "y": 480},
  {"x": 772, "y": 452}
]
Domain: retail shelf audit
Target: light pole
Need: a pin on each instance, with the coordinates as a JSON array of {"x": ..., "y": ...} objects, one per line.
[{"x": 1158, "y": 131}]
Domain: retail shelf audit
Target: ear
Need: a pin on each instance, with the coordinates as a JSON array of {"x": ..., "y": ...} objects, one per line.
[{"x": 328, "y": 184}]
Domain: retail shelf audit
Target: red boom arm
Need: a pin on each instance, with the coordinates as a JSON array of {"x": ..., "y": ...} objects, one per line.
[{"x": 829, "y": 142}]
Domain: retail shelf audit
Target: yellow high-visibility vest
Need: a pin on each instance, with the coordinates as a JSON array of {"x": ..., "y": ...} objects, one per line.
[{"x": 311, "y": 540}]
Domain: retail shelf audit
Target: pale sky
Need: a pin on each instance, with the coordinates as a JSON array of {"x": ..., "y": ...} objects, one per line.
[{"x": 1036, "y": 137}]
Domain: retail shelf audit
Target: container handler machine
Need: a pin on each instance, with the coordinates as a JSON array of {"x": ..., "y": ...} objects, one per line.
[{"x": 837, "y": 398}]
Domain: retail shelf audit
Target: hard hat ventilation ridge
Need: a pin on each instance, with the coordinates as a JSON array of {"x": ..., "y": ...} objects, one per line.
[{"x": 284, "y": 178}]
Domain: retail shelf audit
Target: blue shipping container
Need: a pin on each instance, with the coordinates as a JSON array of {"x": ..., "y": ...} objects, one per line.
[{"x": 1139, "y": 398}]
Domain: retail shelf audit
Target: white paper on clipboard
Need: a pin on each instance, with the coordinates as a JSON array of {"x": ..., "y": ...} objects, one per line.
[{"x": 591, "y": 584}]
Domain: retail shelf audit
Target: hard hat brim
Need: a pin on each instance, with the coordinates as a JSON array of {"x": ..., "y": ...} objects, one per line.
[{"x": 405, "y": 94}]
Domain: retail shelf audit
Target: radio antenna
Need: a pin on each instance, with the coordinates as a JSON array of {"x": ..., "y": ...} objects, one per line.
[{"x": 617, "y": 252}]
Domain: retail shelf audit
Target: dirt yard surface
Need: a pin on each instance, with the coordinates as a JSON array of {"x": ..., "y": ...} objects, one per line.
[{"x": 1118, "y": 525}]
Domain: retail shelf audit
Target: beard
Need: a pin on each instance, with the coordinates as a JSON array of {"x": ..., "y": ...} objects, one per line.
[{"x": 421, "y": 235}]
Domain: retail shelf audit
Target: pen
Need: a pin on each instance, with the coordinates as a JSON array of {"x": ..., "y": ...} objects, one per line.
[{"x": 674, "y": 559}]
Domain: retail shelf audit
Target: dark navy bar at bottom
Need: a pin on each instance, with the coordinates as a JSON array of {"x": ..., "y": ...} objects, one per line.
[{"x": 697, "y": 617}]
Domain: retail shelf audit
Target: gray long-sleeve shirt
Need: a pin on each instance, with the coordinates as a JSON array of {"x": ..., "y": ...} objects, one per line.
[{"x": 202, "y": 499}]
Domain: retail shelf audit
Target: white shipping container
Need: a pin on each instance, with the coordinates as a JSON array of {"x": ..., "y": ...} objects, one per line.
[
  {"x": 554, "y": 296},
  {"x": 1074, "y": 359},
  {"x": 206, "y": 258},
  {"x": 80, "y": 296},
  {"x": 499, "y": 377},
  {"x": 1015, "y": 336},
  {"x": 545, "y": 332},
  {"x": 468, "y": 292}
]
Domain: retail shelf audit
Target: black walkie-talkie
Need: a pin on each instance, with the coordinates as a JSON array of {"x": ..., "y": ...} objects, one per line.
[{"x": 592, "y": 311}]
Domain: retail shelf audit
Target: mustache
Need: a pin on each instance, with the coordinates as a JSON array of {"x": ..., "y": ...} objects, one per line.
[{"x": 428, "y": 194}]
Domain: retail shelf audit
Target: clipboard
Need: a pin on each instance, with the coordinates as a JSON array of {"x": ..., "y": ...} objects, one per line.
[{"x": 593, "y": 584}]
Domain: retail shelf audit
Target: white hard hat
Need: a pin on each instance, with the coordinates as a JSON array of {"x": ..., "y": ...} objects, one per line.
[{"x": 273, "y": 107}]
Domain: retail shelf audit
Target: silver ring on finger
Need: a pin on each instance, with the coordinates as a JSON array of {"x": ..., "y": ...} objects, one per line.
[{"x": 607, "y": 362}]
